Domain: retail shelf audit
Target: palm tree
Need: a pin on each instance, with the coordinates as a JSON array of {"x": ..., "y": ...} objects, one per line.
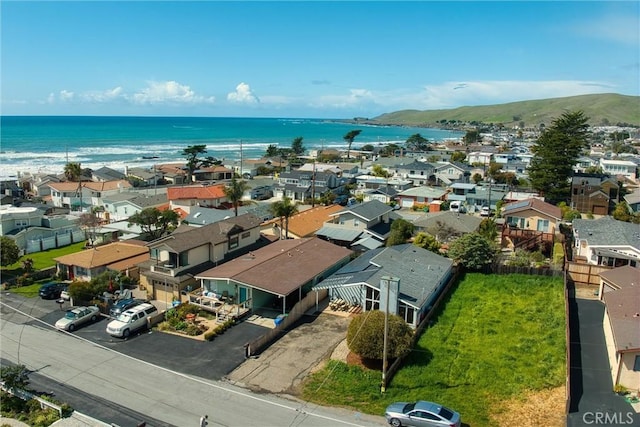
[
  {"x": 284, "y": 210},
  {"x": 234, "y": 192},
  {"x": 73, "y": 173}
]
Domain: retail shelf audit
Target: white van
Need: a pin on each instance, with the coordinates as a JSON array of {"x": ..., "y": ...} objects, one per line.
[
  {"x": 457, "y": 206},
  {"x": 131, "y": 320}
]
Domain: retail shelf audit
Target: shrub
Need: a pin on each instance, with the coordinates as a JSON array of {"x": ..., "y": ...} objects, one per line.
[
  {"x": 365, "y": 336},
  {"x": 209, "y": 336}
]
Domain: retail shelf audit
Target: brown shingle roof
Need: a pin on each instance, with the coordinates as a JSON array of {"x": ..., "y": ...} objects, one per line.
[
  {"x": 103, "y": 255},
  {"x": 216, "y": 233},
  {"x": 622, "y": 277},
  {"x": 537, "y": 205},
  {"x": 305, "y": 223},
  {"x": 95, "y": 186},
  {"x": 623, "y": 306},
  {"x": 283, "y": 266}
]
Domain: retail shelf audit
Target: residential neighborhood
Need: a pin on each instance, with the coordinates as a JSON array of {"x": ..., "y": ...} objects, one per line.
[{"x": 397, "y": 232}]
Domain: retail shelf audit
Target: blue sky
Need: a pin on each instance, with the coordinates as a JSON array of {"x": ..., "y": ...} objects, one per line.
[{"x": 309, "y": 59}]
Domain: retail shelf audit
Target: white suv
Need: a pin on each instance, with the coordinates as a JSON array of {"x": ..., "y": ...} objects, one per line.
[{"x": 131, "y": 320}]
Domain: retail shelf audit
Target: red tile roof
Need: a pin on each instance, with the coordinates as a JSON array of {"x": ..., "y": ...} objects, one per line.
[{"x": 197, "y": 192}]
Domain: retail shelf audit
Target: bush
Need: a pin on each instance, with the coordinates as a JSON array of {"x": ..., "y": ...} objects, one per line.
[
  {"x": 209, "y": 336},
  {"x": 365, "y": 336},
  {"x": 558, "y": 253}
]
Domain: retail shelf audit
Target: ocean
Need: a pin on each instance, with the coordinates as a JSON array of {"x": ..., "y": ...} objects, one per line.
[{"x": 42, "y": 144}]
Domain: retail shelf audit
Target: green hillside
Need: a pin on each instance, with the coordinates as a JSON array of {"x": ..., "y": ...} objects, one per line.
[{"x": 601, "y": 108}]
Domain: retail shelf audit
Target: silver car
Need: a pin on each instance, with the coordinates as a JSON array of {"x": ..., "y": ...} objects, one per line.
[
  {"x": 421, "y": 414},
  {"x": 78, "y": 316}
]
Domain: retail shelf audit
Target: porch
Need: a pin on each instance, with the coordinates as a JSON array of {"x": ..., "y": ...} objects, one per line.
[
  {"x": 223, "y": 306},
  {"x": 519, "y": 238}
]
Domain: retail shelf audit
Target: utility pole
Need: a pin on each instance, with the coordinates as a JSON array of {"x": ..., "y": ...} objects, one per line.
[
  {"x": 313, "y": 185},
  {"x": 385, "y": 282}
]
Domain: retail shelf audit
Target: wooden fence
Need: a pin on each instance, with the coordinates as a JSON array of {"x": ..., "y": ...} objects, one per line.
[
  {"x": 584, "y": 274},
  {"x": 533, "y": 271},
  {"x": 257, "y": 345}
]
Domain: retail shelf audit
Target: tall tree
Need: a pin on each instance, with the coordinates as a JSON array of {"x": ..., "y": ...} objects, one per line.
[
  {"x": 473, "y": 250},
  {"x": 417, "y": 142},
  {"x": 297, "y": 146},
  {"x": 427, "y": 241},
  {"x": 193, "y": 154},
  {"x": 234, "y": 192},
  {"x": 556, "y": 152},
  {"x": 272, "y": 150},
  {"x": 284, "y": 210},
  {"x": 401, "y": 231},
  {"x": 9, "y": 251},
  {"x": 350, "y": 137},
  {"x": 457, "y": 156},
  {"x": 154, "y": 223}
]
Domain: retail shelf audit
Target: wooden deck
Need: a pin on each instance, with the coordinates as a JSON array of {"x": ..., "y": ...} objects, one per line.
[{"x": 222, "y": 308}]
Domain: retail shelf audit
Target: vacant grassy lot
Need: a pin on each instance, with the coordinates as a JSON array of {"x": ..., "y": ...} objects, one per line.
[{"x": 495, "y": 339}]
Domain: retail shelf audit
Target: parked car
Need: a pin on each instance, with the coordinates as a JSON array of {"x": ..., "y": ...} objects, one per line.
[
  {"x": 485, "y": 211},
  {"x": 78, "y": 316},
  {"x": 421, "y": 414},
  {"x": 131, "y": 320},
  {"x": 52, "y": 290},
  {"x": 123, "y": 305}
]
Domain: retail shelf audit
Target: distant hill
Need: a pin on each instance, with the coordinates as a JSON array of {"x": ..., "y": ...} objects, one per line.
[{"x": 608, "y": 108}]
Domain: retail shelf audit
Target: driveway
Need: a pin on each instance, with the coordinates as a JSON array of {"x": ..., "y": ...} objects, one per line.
[
  {"x": 592, "y": 399},
  {"x": 284, "y": 365}
]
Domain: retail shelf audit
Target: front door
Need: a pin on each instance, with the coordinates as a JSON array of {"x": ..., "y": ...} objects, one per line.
[{"x": 242, "y": 294}]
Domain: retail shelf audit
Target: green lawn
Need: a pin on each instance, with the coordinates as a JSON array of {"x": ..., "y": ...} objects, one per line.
[
  {"x": 41, "y": 259},
  {"x": 494, "y": 338}
]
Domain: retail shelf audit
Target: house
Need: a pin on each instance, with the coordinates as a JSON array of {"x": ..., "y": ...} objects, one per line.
[
  {"x": 104, "y": 174},
  {"x": 274, "y": 277},
  {"x": 362, "y": 226},
  {"x": 384, "y": 194},
  {"x": 476, "y": 196},
  {"x": 365, "y": 182},
  {"x": 38, "y": 185},
  {"x": 450, "y": 172},
  {"x": 144, "y": 176},
  {"x": 121, "y": 206},
  {"x": 529, "y": 223},
  {"x": 420, "y": 196},
  {"x": 620, "y": 292},
  {"x": 302, "y": 185},
  {"x": 633, "y": 201},
  {"x": 622, "y": 168},
  {"x": 212, "y": 173},
  {"x": 479, "y": 158},
  {"x": 34, "y": 231},
  {"x": 419, "y": 173},
  {"x": 173, "y": 173},
  {"x": 175, "y": 259},
  {"x": 303, "y": 224},
  {"x": 606, "y": 241},
  {"x": 210, "y": 196},
  {"x": 446, "y": 226},
  {"x": 420, "y": 276},
  {"x": 86, "y": 265},
  {"x": 85, "y": 194},
  {"x": 593, "y": 193}
]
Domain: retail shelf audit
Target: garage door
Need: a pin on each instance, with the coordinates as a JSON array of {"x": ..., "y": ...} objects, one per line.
[{"x": 406, "y": 203}]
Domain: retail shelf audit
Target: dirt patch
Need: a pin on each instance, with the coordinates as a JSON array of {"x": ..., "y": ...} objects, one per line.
[{"x": 533, "y": 409}]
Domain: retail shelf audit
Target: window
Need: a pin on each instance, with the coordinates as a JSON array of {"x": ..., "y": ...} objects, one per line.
[
  {"x": 636, "y": 364},
  {"x": 372, "y": 300},
  {"x": 543, "y": 225},
  {"x": 245, "y": 234},
  {"x": 356, "y": 222},
  {"x": 233, "y": 242}
]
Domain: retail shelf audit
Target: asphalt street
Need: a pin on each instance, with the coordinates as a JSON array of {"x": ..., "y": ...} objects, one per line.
[{"x": 111, "y": 381}]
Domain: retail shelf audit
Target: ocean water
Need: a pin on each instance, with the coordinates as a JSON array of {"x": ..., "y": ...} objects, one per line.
[{"x": 45, "y": 144}]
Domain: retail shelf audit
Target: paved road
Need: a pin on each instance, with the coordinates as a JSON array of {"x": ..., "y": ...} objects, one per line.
[
  {"x": 592, "y": 397},
  {"x": 115, "y": 384}
]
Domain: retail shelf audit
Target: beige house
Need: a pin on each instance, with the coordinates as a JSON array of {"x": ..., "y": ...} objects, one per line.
[
  {"x": 620, "y": 292},
  {"x": 86, "y": 265},
  {"x": 529, "y": 222},
  {"x": 302, "y": 224},
  {"x": 174, "y": 260}
]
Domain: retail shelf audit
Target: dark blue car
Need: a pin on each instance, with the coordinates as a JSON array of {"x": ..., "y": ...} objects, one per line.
[{"x": 52, "y": 290}]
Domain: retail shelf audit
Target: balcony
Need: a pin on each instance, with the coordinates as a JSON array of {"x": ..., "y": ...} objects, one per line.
[{"x": 168, "y": 269}]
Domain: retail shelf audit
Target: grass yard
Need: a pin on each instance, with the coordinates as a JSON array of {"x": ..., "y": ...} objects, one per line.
[
  {"x": 496, "y": 339},
  {"x": 42, "y": 259}
]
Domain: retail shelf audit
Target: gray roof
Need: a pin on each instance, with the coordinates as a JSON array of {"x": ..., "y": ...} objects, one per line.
[
  {"x": 368, "y": 210},
  {"x": 138, "y": 199},
  {"x": 200, "y": 216},
  {"x": 416, "y": 165},
  {"x": 607, "y": 231},
  {"x": 632, "y": 198},
  {"x": 338, "y": 232},
  {"x": 420, "y": 271},
  {"x": 461, "y": 223},
  {"x": 216, "y": 233},
  {"x": 424, "y": 191},
  {"x": 108, "y": 174}
]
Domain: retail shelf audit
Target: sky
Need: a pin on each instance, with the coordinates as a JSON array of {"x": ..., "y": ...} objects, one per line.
[{"x": 322, "y": 59}]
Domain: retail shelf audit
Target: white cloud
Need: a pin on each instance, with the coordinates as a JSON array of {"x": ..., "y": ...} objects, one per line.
[
  {"x": 103, "y": 96},
  {"x": 353, "y": 98},
  {"x": 243, "y": 95},
  {"x": 66, "y": 95},
  {"x": 168, "y": 92}
]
